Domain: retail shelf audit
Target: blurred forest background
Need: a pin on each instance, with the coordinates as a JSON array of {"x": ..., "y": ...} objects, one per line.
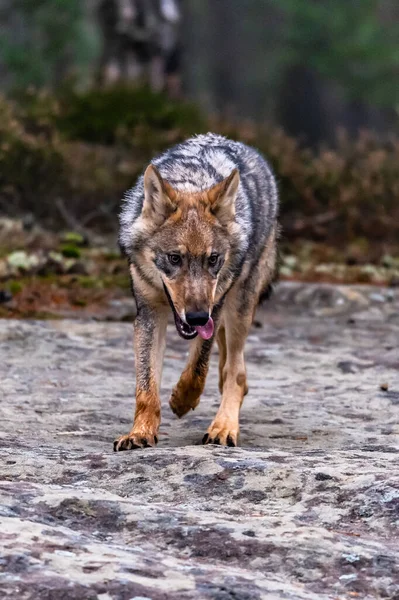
[{"x": 92, "y": 89}]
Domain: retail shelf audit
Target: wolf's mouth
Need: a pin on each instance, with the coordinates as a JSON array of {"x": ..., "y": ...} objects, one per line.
[
  {"x": 185, "y": 330},
  {"x": 188, "y": 333}
]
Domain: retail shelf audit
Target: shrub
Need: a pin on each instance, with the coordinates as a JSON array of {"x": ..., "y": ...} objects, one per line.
[
  {"x": 32, "y": 169},
  {"x": 53, "y": 166},
  {"x": 109, "y": 115},
  {"x": 335, "y": 194}
]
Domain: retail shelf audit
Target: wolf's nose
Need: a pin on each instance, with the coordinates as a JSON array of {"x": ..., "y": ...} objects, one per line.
[{"x": 197, "y": 318}]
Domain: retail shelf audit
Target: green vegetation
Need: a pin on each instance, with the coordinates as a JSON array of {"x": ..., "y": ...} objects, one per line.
[
  {"x": 107, "y": 116},
  {"x": 70, "y": 251},
  {"x": 71, "y": 237},
  {"x": 14, "y": 287},
  {"x": 55, "y": 42},
  {"x": 119, "y": 115},
  {"x": 352, "y": 43}
]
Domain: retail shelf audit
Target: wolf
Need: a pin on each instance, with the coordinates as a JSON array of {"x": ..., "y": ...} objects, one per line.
[{"x": 200, "y": 231}]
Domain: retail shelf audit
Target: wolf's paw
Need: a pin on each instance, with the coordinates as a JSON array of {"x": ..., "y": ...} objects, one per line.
[
  {"x": 221, "y": 434},
  {"x": 133, "y": 441},
  {"x": 182, "y": 404}
]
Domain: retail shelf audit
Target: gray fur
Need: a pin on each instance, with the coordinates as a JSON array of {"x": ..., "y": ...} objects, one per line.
[
  {"x": 230, "y": 289},
  {"x": 201, "y": 162}
]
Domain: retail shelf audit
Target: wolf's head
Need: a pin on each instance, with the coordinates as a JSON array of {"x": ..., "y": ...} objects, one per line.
[{"x": 186, "y": 242}]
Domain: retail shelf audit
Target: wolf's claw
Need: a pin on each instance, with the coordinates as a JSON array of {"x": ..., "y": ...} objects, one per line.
[
  {"x": 221, "y": 436},
  {"x": 132, "y": 441}
]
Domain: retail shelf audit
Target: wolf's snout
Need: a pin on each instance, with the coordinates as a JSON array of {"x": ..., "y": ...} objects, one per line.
[{"x": 197, "y": 318}]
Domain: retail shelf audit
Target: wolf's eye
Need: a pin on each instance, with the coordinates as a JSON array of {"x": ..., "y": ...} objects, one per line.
[
  {"x": 174, "y": 259},
  {"x": 213, "y": 259}
]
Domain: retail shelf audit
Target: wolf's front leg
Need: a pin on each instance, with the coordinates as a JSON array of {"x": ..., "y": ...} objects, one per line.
[
  {"x": 186, "y": 395},
  {"x": 224, "y": 429},
  {"x": 149, "y": 347}
]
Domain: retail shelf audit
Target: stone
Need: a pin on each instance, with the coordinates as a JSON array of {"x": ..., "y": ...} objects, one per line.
[{"x": 305, "y": 509}]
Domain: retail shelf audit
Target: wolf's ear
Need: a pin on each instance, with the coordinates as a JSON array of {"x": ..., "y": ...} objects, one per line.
[
  {"x": 159, "y": 196},
  {"x": 222, "y": 198}
]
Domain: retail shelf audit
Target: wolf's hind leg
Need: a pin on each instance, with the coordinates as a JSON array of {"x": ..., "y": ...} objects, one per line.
[
  {"x": 186, "y": 394},
  {"x": 149, "y": 346}
]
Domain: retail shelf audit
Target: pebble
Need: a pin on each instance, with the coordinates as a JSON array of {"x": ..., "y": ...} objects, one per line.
[{"x": 377, "y": 298}]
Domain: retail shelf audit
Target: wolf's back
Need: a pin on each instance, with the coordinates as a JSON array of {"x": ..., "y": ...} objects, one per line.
[{"x": 199, "y": 163}]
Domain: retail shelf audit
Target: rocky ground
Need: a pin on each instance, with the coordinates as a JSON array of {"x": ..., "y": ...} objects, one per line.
[{"x": 306, "y": 508}]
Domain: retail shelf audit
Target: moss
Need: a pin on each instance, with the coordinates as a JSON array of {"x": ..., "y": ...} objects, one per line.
[
  {"x": 79, "y": 302},
  {"x": 112, "y": 255},
  {"x": 42, "y": 315},
  {"x": 89, "y": 282},
  {"x": 71, "y": 237},
  {"x": 104, "y": 281},
  {"x": 5, "y": 251},
  {"x": 70, "y": 251},
  {"x": 120, "y": 280},
  {"x": 15, "y": 287}
]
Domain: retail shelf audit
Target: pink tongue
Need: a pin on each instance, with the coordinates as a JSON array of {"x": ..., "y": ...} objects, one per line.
[{"x": 205, "y": 331}]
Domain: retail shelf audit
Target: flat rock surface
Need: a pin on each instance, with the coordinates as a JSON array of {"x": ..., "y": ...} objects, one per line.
[{"x": 306, "y": 508}]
